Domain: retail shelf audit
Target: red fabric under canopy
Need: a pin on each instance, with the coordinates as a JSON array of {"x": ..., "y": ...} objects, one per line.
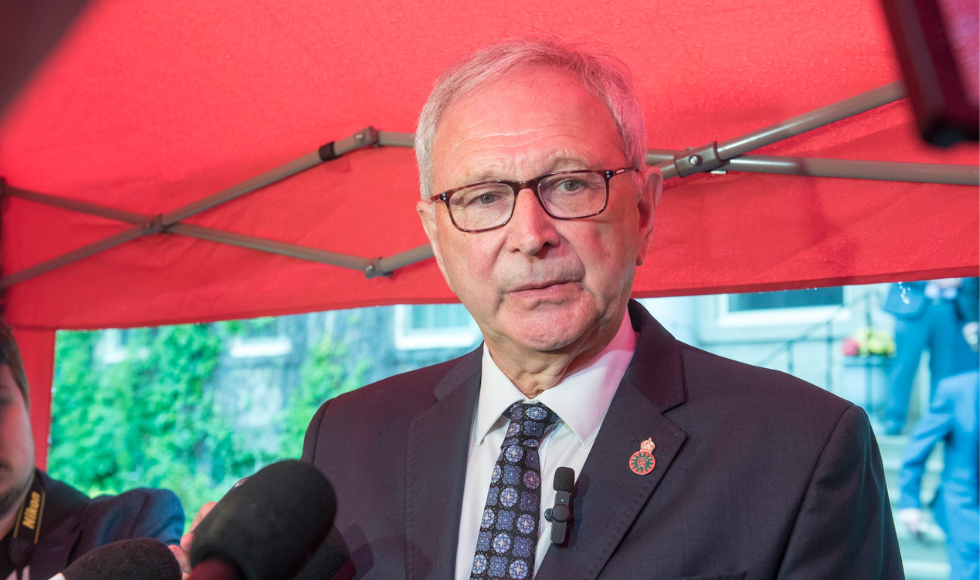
[{"x": 149, "y": 105}]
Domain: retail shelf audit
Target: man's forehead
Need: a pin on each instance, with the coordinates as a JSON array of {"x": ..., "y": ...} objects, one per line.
[
  {"x": 516, "y": 128},
  {"x": 513, "y": 167}
]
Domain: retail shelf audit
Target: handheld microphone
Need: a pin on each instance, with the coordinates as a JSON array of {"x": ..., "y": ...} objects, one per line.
[
  {"x": 332, "y": 559},
  {"x": 133, "y": 559},
  {"x": 560, "y": 516},
  {"x": 267, "y": 528}
]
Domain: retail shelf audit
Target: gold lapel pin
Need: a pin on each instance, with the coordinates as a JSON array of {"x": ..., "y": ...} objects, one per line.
[{"x": 642, "y": 462}]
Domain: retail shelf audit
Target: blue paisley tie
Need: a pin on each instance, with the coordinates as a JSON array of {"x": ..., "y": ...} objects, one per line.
[{"x": 509, "y": 528}]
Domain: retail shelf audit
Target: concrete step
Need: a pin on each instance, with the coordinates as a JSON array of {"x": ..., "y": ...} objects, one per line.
[{"x": 918, "y": 570}]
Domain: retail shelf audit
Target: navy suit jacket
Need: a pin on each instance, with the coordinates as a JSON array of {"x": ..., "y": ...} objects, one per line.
[
  {"x": 952, "y": 418},
  {"x": 758, "y": 475},
  {"x": 91, "y": 523}
]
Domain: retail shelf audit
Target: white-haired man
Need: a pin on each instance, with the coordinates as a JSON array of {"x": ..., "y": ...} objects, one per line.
[{"x": 539, "y": 207}]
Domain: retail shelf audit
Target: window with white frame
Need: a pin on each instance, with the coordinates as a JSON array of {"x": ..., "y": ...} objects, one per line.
[
  {"x": 422, "y": 326},
  {"x": 111, "y": 348},
  {"x": 779, "y": 308},
  {"x": 261, "y": 337}
]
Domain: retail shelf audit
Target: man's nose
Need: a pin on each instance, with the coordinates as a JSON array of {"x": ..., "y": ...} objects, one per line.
[{"x": 531, "y": 228}]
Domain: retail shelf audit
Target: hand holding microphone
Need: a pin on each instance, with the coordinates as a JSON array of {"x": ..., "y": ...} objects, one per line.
[
  {"x": 265, "y": 529},
  {"x": 183, "y": 552}
]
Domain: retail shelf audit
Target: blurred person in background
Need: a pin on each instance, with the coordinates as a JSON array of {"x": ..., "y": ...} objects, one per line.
[
  {"x": 952, "y": 419},
  {"x": 45, "y": 524},
  {"x": 938, "y": 315}
]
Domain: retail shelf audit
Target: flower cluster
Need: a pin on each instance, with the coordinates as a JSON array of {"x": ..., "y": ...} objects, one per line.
[{"x": 869, "y": 342}]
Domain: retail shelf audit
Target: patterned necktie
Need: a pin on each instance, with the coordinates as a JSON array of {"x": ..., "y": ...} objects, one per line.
[{"x": 509, "y": 528}]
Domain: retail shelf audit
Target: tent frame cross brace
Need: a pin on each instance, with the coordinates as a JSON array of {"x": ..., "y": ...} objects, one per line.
[{"x": 715, "y": 157}]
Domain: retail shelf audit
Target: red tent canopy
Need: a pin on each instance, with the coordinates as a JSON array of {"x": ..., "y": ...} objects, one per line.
[{"x": 150, "y": 105}]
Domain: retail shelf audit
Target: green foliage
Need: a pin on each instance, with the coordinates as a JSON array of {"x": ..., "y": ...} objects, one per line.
[
  {"x": 322, "y": 377},
  {"x": 79, "y": 405},
  {"x": 151, "y": 419}
]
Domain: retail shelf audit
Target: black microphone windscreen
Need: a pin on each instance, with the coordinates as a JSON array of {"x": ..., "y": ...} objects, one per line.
[
  {"x": 564, "y": 479},
  {"x": 269, "y": 526},
  {"x": 331, "y": 560},
  {"x": 133, "y": 559}
]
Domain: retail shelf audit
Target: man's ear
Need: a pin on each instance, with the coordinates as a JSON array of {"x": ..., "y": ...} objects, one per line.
[
  {"x": 646, "y": 207},
  {"x": 427, "y": 213}
]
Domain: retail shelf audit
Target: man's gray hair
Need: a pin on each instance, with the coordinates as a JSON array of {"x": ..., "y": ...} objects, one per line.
[{"x": 603, "y": 75}]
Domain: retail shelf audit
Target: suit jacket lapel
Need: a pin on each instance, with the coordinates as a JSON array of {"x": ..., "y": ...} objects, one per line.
[
  {"x": 608, "y": 496},
  {"x": 436, "y": 471}
]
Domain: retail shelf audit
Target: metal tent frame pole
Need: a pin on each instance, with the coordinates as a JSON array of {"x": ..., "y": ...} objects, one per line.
[
  {"x": 164, "y": 223},
  {"x": 730, "y": 155},
  {"x": 842, "y": 168},
  {"x": 375, "y": 267},
  {"x": 711, "y": 156},
  {"x": 874, "y": 170}
]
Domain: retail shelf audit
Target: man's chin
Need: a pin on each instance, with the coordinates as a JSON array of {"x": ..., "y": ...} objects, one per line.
[
  {"x": 548, "y": 332},
  {"x": 11, "y": 490}
]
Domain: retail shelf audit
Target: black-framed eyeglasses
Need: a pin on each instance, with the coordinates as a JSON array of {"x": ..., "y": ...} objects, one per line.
[{"x": 564, "y": 195}]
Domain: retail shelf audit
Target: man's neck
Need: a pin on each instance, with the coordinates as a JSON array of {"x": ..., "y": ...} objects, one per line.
[{"x": 534, "y": 372}]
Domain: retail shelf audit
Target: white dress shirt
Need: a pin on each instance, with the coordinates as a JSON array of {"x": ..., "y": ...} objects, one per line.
[{"x": 581, "y": 400}]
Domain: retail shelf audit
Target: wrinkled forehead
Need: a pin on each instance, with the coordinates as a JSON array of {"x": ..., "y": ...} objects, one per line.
[{"x": 533, "y": 119}]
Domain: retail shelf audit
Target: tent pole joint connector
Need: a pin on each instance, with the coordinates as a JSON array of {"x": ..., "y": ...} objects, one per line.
[
  {"x": 698, "y": 160},
  {"x": 153, "y": 225},
  {"x": 373, "y": 269},
  {"x": 366, "y": 137}
]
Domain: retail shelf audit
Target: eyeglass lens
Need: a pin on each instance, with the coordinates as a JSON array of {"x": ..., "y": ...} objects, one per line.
[{"x": 563, "y": 195}]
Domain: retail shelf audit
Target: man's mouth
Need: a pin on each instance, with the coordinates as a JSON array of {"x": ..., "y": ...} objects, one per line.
[{"x": 545, "y": 287}]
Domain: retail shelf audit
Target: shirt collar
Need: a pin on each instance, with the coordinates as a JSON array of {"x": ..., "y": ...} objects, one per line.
[{"x": 580, "y": 399}]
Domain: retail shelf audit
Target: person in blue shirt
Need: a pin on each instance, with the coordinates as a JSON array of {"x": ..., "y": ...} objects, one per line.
[
  {"x": 937, "y": 316},
  {"x": 953, "y": 419}
]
